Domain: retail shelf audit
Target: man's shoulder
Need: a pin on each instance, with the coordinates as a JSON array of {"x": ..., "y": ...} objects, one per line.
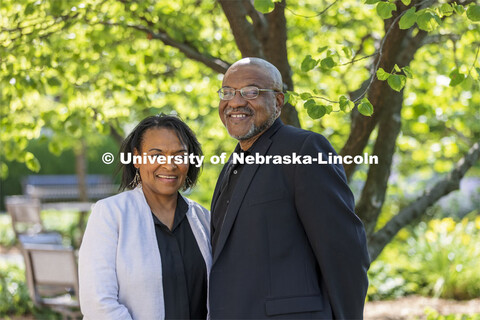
[{"x": 296, "y": 137}]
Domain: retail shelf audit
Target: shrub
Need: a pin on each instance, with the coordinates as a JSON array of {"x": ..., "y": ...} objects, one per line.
[
  {"x": 14, "y": 296},
  {"x": 7, "y": 236},
  {"x": 438, "y": 258},
  {"x": 445, "y": 256}
]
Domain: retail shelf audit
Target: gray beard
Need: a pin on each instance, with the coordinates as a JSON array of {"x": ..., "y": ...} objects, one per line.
[{"x": 254, "y": 130}]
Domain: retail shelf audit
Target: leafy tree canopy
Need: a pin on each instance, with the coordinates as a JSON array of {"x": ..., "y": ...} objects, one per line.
[{"x": 396, "y": 78}]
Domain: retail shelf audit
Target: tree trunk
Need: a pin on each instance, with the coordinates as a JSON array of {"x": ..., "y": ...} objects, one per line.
[
  {"x": 417, "y": 208},
  {"x": 81, "y": 171}
]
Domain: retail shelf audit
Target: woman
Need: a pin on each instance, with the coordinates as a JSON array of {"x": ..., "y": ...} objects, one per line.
[{"x": 146, "y": 252}]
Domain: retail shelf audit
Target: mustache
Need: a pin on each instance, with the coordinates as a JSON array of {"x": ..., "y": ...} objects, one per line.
[{"x": 247, "y": 110}]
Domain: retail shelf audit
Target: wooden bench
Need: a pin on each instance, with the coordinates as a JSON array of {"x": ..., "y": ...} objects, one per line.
[{"x": 48, "y": 188}]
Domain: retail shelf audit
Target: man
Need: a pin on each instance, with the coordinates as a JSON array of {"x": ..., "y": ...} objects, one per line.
[{"x": 286, "y": 242}]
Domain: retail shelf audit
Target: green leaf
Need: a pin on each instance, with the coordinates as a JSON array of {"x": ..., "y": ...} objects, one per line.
[
  {"x": 327, "y": 63},
  {"x": 332, "y": 52},
  {"x": 396, "y": 82},
  {"x": 382, "y": 74},
  {"x": 426, "y": 21},
  {"x": 396, "y": 68},
  {"x": 459, "y": 9},
  {"x": 371, "y": 1},
  {"x": 345, "y": 104},
  {"x": 264, "y": 6},
  {"x": 55, "y": 148},
  {"x": 406, "y": 2},
  {"x": 446, "y": 9},
  {"x": 31, "y": 162},
  {"x": 309, "y": 103},
  {"x": 408, "y": 19},
  {"x": 384, "y": 9},
  {"x": 321, "y": 49},
  {"x": 308, "y": 63},
  {"x": 347, "y": 51},
  {"x": 292, "y": 98},
  {"x": 456, "y": 78},
  {"x": 147, "y": 59},
  {"x": 408, "y": 72},
  {"x": 305, "y": 95},
  {"x": 29, "y": 9},
  {"x": 365, "y": 107},
  {"x": 473, "y": 12},
  {"x": 57, "y": 7},
  {"x": 467, "y": 83},
  {"x": 287, "y": 97},
  {"x": 478, "y": 71},
  {"x": 328, "y": 108},
  {"x": 343, "y": 101},
  {"x": 54, "y": 82},
  {"x": 316, "y": 111}
]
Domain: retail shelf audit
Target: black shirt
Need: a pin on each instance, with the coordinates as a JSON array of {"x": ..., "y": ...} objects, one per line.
[
  {"x": 230, "y": 178},
  {"x": 183, "y": 267}
]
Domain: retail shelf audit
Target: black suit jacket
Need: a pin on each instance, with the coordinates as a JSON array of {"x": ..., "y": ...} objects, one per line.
[{"x": 291, "y": 245}]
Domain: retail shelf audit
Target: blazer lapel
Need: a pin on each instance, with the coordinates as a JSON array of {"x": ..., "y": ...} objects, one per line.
[
  {"x": 216, "y": 192},
  {"x": 261, "y": 147}
]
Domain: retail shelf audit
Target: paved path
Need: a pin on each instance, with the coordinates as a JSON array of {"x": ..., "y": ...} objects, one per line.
[{"x": 11, "y": 256}]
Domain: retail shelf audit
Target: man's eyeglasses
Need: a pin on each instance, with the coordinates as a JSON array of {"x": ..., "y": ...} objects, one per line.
[{"x": 246, "y": 92}]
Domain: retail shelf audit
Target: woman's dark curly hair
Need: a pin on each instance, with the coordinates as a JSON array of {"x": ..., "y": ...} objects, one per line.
[{"x": 135, "y": 139}]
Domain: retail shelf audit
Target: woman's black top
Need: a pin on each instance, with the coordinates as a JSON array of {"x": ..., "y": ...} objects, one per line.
[{"x": 183, "y": 268}]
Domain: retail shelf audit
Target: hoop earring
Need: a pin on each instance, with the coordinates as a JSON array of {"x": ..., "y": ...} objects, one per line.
[
  {"x": 136, "y": 180},
  {"x": 188, "y": 183}
]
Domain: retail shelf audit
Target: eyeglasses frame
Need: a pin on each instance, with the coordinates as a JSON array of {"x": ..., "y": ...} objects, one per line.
[{"x": 241, "y": 92}]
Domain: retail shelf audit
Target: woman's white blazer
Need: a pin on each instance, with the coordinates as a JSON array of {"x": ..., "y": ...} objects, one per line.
[{"x": 120, "y": 270}]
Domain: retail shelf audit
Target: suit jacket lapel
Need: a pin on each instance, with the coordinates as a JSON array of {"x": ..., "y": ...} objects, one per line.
[
  {"x": 216, "y": 192},
  {"x": 261, "y": 147}
]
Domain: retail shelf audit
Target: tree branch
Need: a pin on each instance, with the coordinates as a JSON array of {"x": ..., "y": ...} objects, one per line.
[
  {"x": 52, "y": 27},
  {"x": 392, "y": 25},
  {"x": 215, "y": 64},
  {"x": 312, "y": 16},
  {"x": 389, "y": 53},
  {"x": 417, "y": 208}
]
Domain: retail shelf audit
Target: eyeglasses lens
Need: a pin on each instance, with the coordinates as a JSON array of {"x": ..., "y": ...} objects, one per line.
[{"x": 247, "y": 93}]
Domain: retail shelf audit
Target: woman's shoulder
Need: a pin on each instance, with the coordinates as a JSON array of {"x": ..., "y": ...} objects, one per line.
[
  {"x": 125, "y": 196},
  {"x": 131, "y": 200}
]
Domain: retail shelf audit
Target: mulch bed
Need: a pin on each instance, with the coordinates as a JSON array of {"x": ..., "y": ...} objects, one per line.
[{"x": 413, "y": 307}]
